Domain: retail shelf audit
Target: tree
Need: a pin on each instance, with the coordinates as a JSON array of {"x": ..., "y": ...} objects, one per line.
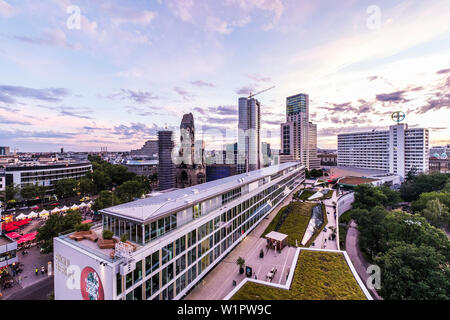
[
  {"x": 86, "y": 186},
  {"x": 421, "y": 203},
  {"x": 10, "y": 192},
  {"x": 66, "y": 188},
  {"x": 28, "y": 191},
  {"x": 371, "y": 227},
  {"x": 106, "y": 199},
  {"x": 55, "y": 225},
  {"x": 129, "y": 190},
  {"x": 101, "y": 180},
  {"x": 437, "y": 213},
  {"x": 412, "y": 188},
  {"x": 414, "y": 272},
  {"x": 241, "y": 263}
]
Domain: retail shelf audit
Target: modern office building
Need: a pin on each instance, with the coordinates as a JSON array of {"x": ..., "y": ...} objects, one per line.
[
  {"x": 142, "y": 165},
  {"x": 150, "y": 148},
  {"x": 4, "y": 151},
  {"x": 45, "y": 174},
  {"x": 249, "y": 135},
  {"x": 298, "y": 134},
  {"x": 178, "y": 237},
  {"x": 2, "y": 180},
  {"x": 166, "y": 165},
  {"x": 397, "y": 150}
]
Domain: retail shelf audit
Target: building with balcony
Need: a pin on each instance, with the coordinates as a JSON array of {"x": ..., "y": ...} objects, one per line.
[
  {"x": 177, "y": 237},
  {"x": 397, "y": 150}
]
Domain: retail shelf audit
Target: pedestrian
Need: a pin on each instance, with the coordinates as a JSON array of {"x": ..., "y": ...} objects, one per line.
[
  {"x": 42, "y": 270},
  {"x": 36, "y": 270}
]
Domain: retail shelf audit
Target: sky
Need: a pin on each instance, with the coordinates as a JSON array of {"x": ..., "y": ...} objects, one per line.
[{"x": 87, "y": 74}]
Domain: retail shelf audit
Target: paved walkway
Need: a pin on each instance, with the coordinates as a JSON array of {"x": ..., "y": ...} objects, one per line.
[
  {"x": 219, "y": 282},
  {"x": 323, "y": 239},
  {"x": 28, "y": 277},
  {"x": 355, "y": 255}
]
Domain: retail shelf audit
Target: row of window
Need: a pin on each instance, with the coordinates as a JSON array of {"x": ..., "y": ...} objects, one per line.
[{"x": 211, "y": 243}]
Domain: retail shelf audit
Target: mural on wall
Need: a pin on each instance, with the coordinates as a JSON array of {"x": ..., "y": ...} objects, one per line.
[{"x": 91, "y": 285}]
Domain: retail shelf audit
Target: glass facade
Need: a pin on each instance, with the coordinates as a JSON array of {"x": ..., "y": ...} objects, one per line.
[{"x": 171, "y": 269}]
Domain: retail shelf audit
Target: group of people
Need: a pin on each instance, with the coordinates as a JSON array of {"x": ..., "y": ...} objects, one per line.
[{"x": 36, "y": 270}]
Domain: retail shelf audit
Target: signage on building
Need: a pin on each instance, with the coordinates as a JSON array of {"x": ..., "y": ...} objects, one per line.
[{"x": 91, "y": 285}]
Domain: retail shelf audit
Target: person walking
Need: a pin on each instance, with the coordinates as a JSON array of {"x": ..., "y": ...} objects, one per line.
[
  {"x": 42, "y": 270},
  {"x": 36, "y": 271}
]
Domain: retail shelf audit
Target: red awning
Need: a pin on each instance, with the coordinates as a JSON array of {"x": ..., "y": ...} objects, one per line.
[
  {"x": 86, "y": 221},
  {"x": 13, "y": 235}
]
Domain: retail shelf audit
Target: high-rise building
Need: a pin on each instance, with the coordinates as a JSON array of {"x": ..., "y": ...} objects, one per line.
[
  {"x": 4, "y": 151},
  {"x": 191, "y": 163},
  {"x": 249, "y": 133},
  {"x": 398, "y": 150},
  {"x": 298, "y": 135},
  {"x": 166, "y": 166}
]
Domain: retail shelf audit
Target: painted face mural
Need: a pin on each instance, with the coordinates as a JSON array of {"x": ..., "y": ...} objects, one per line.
[{"x": 91, "y": 285}]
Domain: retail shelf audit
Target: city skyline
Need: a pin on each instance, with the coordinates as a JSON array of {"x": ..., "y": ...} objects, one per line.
[{"x": 127, "y": 72}]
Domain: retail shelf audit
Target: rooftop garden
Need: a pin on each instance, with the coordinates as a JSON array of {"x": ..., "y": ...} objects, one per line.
[
  {"x": 318, "y": 276},
  {"x": 293, "y": 220},
  {"x": 309, "y": 192}
]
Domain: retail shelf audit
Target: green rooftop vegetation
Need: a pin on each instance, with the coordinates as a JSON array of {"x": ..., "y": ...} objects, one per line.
[
  {"x": 293, "y": 220},
  {"x": 309, "y": 192},
  {"x": 318, "y": 276}
]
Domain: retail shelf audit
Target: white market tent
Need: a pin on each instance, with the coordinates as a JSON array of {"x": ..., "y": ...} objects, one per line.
[
  {"x": 74, "y": 207},
  {"x": 83, "y": 205},
  {"x": 43, "y": 213},
  {"x": 65, "y": 208},
  {"x": 33, "y": 214},
  {"x": 21, "y": 217},
  {"x": 56, "y": 210}
]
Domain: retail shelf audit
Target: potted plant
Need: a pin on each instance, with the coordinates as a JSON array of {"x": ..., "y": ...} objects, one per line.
[
  {"x": 107, "y": 234},
  {"x": 241, "y": 263},
  {"x": 124, "y": 238}
]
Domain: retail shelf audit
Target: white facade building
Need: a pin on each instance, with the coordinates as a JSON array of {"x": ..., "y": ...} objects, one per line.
[
  {"x": 397, "y": 150},
  {"x": 179, "y": 237}
]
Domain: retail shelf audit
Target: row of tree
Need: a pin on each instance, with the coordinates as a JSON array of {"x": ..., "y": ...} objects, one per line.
[{"x": 413, "y": 254}]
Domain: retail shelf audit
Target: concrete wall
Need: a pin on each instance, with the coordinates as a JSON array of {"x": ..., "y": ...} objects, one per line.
[{"x": 344, "y": 203}]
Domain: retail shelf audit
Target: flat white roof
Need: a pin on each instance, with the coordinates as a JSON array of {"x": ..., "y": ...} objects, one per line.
[
  {"x": 145, "y": 209},
  {"x": 277, "y": 236}
]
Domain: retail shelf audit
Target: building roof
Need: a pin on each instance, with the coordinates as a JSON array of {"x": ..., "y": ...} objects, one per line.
[
  {"x": 353, "y": 181},
  {"x": 159, "y": 205},
  {"x": 277, "y": 236}
]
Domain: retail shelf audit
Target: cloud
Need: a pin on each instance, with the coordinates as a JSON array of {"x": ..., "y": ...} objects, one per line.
[
  {"x": 9, "y": 93},
  {"x": 186, "y": 95},
  {"x": 435, "y": 103},
  {"x": 4, "y": 120},
  {"x": 50, "y": 37},
  {"x": 137, "y": 96},
  {"x": 6, "y": 10},
  {"x": 246, "y": 90},
  {"x": 396, "y": 96},
  {"x": 443, "y": 71},
  {"x": 276, "y": 7},
  {"x": 201, "y": 83},
  {"x": 259, "y": 78},
  {"x": 182, "y": 9}
]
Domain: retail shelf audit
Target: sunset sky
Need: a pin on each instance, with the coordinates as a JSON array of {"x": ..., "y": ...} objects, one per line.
[{"x": 134, "y": 67}]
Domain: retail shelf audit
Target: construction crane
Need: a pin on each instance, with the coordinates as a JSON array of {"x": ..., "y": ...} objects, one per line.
[{"x": 252, "y": 95}]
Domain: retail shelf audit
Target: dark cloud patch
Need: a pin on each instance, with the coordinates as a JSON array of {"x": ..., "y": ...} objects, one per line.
[
  {"x": 9, "y": 94},
  {"x": 245, "y": 90},
  {"x": 137, "y": 96},
  {"x": 395, "y": 97},
  {"x": 10, "y": 122},
  {"x": 137, "y": 130},
  {"x": 372, "y": 78},
  {"x": 201, "y": 83},
  {"x": 219, "y": 110},
  {"x": 442, "y": 71},
  {"x": 259, "y": 78},
  {"x": 439, "y": 101},
  {"x": 144, "y": 111},
  {"x": 67, "y": 111},
  {"x": 340, "y": 107},
  {"x": 272, "y": 122},
  {"x": 186, "y": 95}
]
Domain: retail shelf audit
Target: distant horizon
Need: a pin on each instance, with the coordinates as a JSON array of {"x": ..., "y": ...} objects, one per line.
[{"x": 84, "y": 74}]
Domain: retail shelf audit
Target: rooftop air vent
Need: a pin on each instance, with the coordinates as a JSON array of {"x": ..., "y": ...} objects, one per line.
[{"x": 195, "y": 191}]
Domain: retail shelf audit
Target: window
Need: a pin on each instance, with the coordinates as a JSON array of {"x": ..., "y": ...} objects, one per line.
[
  {"x": 180, "y": 264},
  {"x": 167, "y": 253},
  {"x": 167, "y": 274},
  {"x": 180, "y": 245},
  {"x": 137, "y": 273},
  {"x": 118, "y": 284},
  {"x": 196, "y": 211}
]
